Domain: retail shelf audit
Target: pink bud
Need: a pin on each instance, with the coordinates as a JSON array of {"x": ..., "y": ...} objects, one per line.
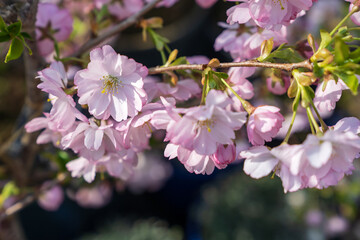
[{"x": 224, "y": 155}]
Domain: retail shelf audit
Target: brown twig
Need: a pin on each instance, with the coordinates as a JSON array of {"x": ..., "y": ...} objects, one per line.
[
  {"x": 30, "y": 198},
  {"x": 251, "y": 63},
  {"x": 115, "y": 29}
]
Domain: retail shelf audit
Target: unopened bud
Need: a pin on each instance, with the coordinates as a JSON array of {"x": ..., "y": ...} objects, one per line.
[
  {"x": 266, "y": 48},
  {"x": 214, "y": 63},
  {"x": 311, "y": 42},
  {"x": 172, "y": 56},
  {"x": 292, "y": 90},
  {"x": 304, "y": 79}
]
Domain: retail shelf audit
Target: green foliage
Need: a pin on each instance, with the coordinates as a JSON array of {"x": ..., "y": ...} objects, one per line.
[
  {"x": 10, "y": 189},
  {"x": 13, "y": 33},
  {"x": 141, "y": 230},
  {"x": 158, "y": 40}
]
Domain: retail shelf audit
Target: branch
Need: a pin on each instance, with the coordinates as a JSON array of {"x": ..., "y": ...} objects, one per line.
[
  {"x": 30, "y": 198},
  {"x": 115, "y": 29},
  {"x": 251, "y": 63}
]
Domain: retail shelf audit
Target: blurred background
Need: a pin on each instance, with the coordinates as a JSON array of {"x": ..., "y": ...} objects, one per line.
[{"x": 165, "y": 201}]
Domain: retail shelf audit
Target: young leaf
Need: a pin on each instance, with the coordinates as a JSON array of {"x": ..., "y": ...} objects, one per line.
[
  {"x": 4, "y": 37},
  {"x": 26, "y": 35},
  {"x": 14, "y": 29},
  {"x": 3, "y": 26},
  {"x": 342, "y": 51},
  {"x": 15, "y": 50},
  {"x": 325, "y": 39},
  {"x": 350, "y": 80}
]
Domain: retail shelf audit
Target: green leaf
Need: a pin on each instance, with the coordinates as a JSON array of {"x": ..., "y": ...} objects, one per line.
[
  {"x": 158, "y": 40},
  {"x": 9, "y": 190},
  {"x": 355, "y": 54},
  {"x": 4, "y": 37},
  {"x": 285, "y": 54},
  {"x": 307, "y": 95},
  {"x": 14, "y": 28},
  {"x": 342, "y": 51},
  {"x": 178, "y": 61},
  {"x": 221, "y": 75},
  {"x": 101, "y": 13},
  {"x": 350, "y": 80},
  {"x": 325, "y": 39},
  {"x": 318, "y": 71},
  {"x": 3, "y": 26},
  {"x": 15, "y": 50},
  {"x": 25, "y": 44},
  {"x": 26, "y": 35}
]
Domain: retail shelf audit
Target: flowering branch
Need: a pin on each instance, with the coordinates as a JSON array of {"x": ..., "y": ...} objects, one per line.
[
  {"x": 115, "y": 29},
  {"x": 251, "y": 63}
]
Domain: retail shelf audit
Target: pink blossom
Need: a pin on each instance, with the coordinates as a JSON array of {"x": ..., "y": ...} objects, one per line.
[
  {"x": 224, "y": 155},
  {"x": 278, "y": 86},
  {"x": 124, "y": 9},
  {"x": 112, "y": 85},
  {"x": 165, "y": 3},
  {"x": 259, "y": 161},
  {"x": 63, "y": 112},
  {"x": 244, "y": 41},
  {"x": 94, "y": 196},
  {"x": 201, "y": 128},
  {"x": 136, "y": 131},
  {"x": 51, "y": 20},
  {"x": 205, "y": 3},
  {"x": 198, "y": 59},
  {"x": 52, "y": 198},
  {"x": 356, "y": 16},
  {"x": 264, "y": 123},
  {"x": 182, "y": 91},
  {"x": 238, "y": 76},
  {"x": 193, "y": 162},
  {"x": 267, "y": 14},
  {"x": 50, "y": 134},
  {"x": 118, "y": 164},
  {"x": 92, "y": 140},
  {"x": 150, "y": 174},
  {"x": 326, "y": 98}
]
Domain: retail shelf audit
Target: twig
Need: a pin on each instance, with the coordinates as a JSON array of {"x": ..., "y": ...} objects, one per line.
[
  {"x": 115, "y": 29},
  {"x": 30, "y": 198},
  {"x": 251, "y": 63}
]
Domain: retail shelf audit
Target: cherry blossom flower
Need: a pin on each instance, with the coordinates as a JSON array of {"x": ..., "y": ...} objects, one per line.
[
  {"x": 326, "y": 97},
  {"x": 244, "y": 41},
  {"x": 356, "y": 16},
  {"x": 201, "y": 128},
  {"x": 51, "y": 22},
  {"x": 50, "y": 134},
  {"x": 259, "y": 161},
  {"x": 54, "y": 81},
  {"x": 277, "y": 85},
  {"x": 52, "y": 198},
  {"x": 267, "y": 14},
  {"x": 118, "y": 164},
  {"x": 205, "y": 3},
  {"x": 136, "y": 131},
  {"x": 242, "y": 86},
  {"x": 91, "y": 140},
  {"x": 112, "y": 85},
  {"x": 95, "y": 196},
  {"x": 123, "y": 9},
  {"x": 264, "y": 124},
  {"x": 150, "y": 174}
]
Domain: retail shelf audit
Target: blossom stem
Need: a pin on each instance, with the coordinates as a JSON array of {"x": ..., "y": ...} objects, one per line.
[
  {"x": 203, "y": 97},
  {"x": 353, "y": 10},
  {"x": 247, "y": 106},
  {"x": 251, "y": 63},
  {"x": 288, "y": 133},
  {"x": 115, "y": 29},
  {"x": 312, "y": 119},
  {"x": 322, "y": 123}
]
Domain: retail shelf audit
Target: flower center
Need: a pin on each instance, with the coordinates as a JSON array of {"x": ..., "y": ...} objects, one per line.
[
  {"x": 280, "y": 2},
  {"x": 207, "y": 123},
  {"x": 111, "y": 84}
]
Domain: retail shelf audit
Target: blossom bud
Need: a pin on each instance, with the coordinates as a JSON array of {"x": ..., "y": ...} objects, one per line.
[{"x": 224, "y": 155}]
